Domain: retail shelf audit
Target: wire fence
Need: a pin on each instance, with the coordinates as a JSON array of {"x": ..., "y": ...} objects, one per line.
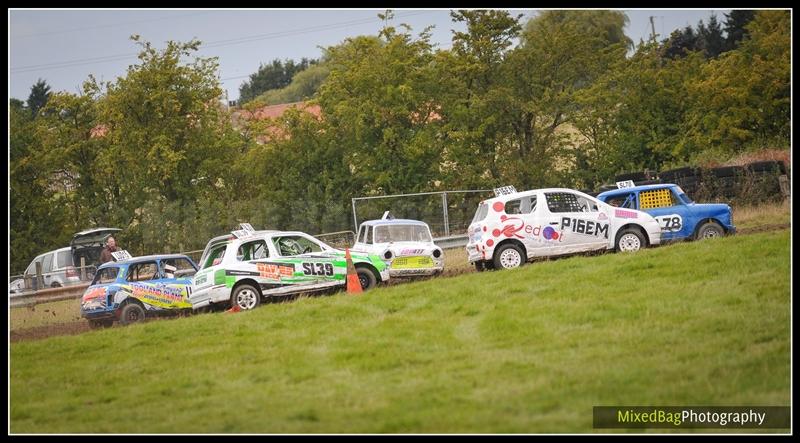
[
  {"x": 448, "y": 213},
  {"x": 70, "y": 276}
]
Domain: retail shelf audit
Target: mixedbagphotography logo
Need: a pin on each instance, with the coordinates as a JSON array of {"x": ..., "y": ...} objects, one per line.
[{"x": 765, "y": 417}]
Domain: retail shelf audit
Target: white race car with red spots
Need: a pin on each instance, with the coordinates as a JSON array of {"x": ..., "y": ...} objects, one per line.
[{"x": 515, "y": 226}]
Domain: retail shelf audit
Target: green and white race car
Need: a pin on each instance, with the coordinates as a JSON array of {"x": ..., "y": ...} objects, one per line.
[{"x": 246, "y": 266}]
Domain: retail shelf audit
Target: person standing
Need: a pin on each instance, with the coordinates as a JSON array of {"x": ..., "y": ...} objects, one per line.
[{"x": 111, "y": 246}]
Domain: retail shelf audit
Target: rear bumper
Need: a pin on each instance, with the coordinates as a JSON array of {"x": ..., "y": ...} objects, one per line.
[{"x": 206, "y": 296}]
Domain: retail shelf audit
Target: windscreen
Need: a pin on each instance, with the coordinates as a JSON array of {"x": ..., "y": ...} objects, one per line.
[{"x": 396, "y": 233}]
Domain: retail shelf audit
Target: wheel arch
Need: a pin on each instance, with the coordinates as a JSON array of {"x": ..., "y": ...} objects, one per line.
[
  {"x": 705, "y": 220},
  {"x": 515, "y": 242},
  {"x": 371, "y": 269},
  {"x": 635, "y": 226},
  {"x": 252, "y": 283}
]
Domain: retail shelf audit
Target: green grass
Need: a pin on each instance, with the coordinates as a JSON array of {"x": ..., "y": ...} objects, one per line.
[{"x": 523, "y": 351}]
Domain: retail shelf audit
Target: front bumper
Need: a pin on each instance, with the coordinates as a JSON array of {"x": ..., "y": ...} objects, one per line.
[{"x": 416, "y": 272}]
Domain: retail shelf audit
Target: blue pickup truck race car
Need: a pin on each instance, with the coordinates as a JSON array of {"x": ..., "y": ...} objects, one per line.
[
  {"x": 133, "y": 288},
  {"x": 679, "y": 217}
]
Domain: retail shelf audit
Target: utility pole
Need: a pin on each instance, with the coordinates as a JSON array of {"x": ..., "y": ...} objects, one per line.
[{"x": 653, "y": 30}]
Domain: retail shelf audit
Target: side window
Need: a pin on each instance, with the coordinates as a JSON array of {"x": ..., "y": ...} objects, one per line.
[
  {"x": 215, "y": 256},
  {"x": 32, "y": 267},
  {"x": 563, "y": 202},
  {"x": 47, "y": 265},
  {"x": 253, "y": 250},
  {"x": 64, "y": 259},
  {"x": 107, "y": 275},
  {"x": 513, "y": 206},
  {"x": 361, "y": 232},
  {"x": 142, "y": 271},
  {"x": 295, "y": 245},
  {"x": 656, "y": 198},
  {"x": 627, "y": 201},
  {"x": 368, "y": 240},
  {"x": 180, "y": 264},
  {"x": 586, "y": 204}
]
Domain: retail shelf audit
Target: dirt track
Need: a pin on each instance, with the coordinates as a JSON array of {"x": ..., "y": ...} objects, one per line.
[{"x": 81, "y": 326}]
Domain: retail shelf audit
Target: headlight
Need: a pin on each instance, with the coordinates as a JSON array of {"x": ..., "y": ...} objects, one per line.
[
  {"x": 387, "y": 255},
  {"x": 437, "y": 253}
]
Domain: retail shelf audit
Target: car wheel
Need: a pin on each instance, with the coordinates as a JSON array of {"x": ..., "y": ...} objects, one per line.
[
  {"x": 710, "y": 230},
  {"x": 246, "y": 297},
  {"x": 366, "y": 278},
  {"x": 104, "y": 323},
  {"x": 508, "y": 256},
  {"x": 630, "y": 240},
  {"x": 131, "y": 313},
  {"x": 55, "y": 284}
]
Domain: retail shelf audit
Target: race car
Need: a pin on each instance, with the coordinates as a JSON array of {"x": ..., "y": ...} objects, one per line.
[
  {"x": 513, "y": 227},
  {"x": 130, "y": 289},
  {"x": 243, "y": 268},
  {"x": 680, "y": 218},
  {"x": 406, "y": 246}
]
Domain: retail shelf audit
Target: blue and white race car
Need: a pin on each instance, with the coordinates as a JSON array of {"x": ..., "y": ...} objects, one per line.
[
  {"x": 679, "y": 217},
  {"x": 134, "y": 288}
]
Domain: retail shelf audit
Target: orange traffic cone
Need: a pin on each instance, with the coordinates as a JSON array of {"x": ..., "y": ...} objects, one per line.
[
  {"x": 234, "y": 308},
  {"x": 353, "y": 285}
]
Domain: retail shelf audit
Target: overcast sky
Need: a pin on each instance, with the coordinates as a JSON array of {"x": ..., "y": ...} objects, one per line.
[{"x": 64, "y": 46}]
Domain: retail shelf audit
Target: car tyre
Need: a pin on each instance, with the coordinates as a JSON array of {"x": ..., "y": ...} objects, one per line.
[
  {"x": 710, "y": 230},
  {"x": 366, "y": 278},
  {"x": 630, "y": 240},
  {"x": 246, "y": 297},
  {"x": 508, "y": 256},
  {"x": 55, "y": 284},
  {"x": 131, "y": 313}
]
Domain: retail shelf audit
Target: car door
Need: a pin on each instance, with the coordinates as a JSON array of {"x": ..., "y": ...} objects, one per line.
[
  {"x": 667, "y": 209},
  {"x": 47, "y": 269},
  {"x": 522, "y": 221},
  {"x": 575, "y": 222}
]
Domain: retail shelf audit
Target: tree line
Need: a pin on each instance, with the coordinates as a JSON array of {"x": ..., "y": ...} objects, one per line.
[{"x": 564, "y": 99}]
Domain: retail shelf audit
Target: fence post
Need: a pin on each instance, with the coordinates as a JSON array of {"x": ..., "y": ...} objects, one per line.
[
  {"x": 28, "y": 283},
  {"x": 39, "y": 276},
  {"x": 83, "y": 268},
  {"x": 444, "y": 212},
  {"x": 355, "y": 221}
]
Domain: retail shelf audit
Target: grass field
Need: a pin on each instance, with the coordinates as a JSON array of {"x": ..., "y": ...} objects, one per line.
[{"x": 523, "y": 351}]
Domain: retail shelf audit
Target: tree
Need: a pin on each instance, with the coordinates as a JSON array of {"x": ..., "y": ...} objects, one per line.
[
  {"x": 37, "y": 214},
  {"x": 469, "y": 76},
  {"x": 711, "y": 38},
  {"x": 275, "y": 75},
  {"x": 380, "y": 100},
  {"x": 742, "y": 99},
  {"x": 736, "y": 26},
  {"x": 680, "y": 43},
  {"x": 304, "y": 86},
  {"x": 155, "y": 139},
  {"x": 560, "y": 55},
  {"x": 40, "y": 93}
]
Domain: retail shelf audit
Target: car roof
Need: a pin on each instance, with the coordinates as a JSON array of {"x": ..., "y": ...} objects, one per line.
[
  {"x": 66, "y": 248},
  {"x": 395, "y": 221},
  {"x": 506, "y": 197},
  {"x": 635, "y": 189},
  {"x": 144, "y": 258}
]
